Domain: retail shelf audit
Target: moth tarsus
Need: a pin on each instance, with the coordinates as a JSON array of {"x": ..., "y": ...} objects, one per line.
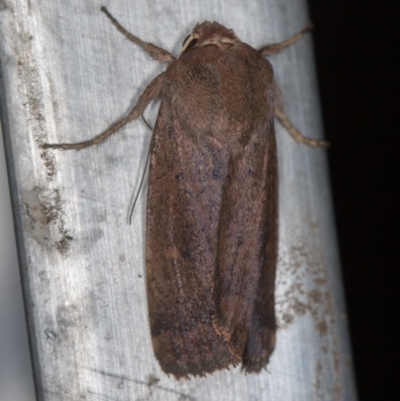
[{"x": 212, "y": 207}]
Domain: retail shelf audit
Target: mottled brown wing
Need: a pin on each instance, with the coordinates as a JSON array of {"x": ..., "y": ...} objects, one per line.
[
  {"x": 211, "y": 222},
  {"x": 247, "y": 241},
  {"x": 261, "y": 341},
  {"x": 247, "y": 255},
  {"x": 183, "y": 207}
]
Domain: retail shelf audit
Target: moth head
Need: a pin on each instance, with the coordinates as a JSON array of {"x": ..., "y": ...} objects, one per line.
[{"x": 210, "y": 34}]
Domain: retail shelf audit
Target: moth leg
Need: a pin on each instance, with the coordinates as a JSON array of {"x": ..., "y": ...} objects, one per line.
[
  {"x": 296, "y": 134},
  {"x": 155, "y": 52},
  {"x": 274, "y": 48},
  {"x": 151, "y": 92}
]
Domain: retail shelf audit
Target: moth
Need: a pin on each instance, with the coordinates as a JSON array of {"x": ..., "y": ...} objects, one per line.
[{"x": 212, "y": 203}]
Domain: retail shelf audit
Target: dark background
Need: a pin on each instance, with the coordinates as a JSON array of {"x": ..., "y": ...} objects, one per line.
[{"x": 355, "y": 47}]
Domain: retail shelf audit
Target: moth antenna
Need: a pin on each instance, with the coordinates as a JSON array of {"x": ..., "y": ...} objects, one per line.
[
  {"x": 146, "y": 123},
  {"x": 155, "y": 52},
  {"x": 141, "y": 181},
  {"x": 274, "y": 48}
]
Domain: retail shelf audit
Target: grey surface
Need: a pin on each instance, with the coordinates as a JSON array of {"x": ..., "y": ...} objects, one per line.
[
  {"x": 16, "y": 381},
  {"x": 67, "y": 75}
]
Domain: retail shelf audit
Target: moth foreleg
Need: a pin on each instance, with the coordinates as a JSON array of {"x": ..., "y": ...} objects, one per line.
[{"x": 150, "y": 93}]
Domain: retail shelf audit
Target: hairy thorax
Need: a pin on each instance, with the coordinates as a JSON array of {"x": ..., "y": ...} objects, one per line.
[{"x": 210, "y": 99}]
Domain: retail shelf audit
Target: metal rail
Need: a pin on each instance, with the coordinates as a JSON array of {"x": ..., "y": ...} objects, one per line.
[{"x": 67, "y": 74}]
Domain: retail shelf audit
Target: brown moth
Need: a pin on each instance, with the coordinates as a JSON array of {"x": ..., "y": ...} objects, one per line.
[{"x": 212, "y": 206}]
